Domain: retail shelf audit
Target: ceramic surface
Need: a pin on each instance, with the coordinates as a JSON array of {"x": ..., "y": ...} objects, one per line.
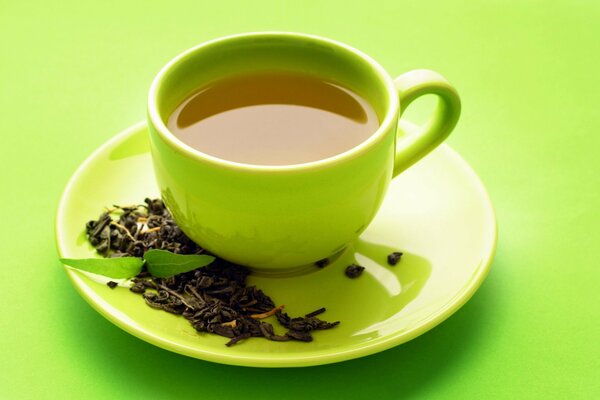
[{"x": 437, "y": 213}]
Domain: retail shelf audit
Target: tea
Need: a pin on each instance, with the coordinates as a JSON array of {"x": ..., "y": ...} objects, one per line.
[{"x": 273, "y": 118}]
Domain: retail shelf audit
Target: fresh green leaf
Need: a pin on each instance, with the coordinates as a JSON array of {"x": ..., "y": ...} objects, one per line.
[
  {"x": 162, "y": 263},
  {"x": 119, "y": 267}
]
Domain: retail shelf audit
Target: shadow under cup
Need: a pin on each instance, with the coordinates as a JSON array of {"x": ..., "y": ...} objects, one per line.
[{"x": 272, "y": 218}]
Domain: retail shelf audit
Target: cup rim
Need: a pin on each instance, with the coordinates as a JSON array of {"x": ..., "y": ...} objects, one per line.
[{"x": 188, "y": 151}]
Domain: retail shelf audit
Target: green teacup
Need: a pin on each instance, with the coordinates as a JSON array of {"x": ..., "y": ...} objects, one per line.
[{"x": 283, "y": 217}]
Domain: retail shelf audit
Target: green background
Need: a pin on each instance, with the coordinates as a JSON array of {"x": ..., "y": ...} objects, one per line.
[{"x": 72, "y": 75}]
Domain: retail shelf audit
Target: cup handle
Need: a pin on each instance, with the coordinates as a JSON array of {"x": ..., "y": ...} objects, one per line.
[{"x": 411, "y": 85}]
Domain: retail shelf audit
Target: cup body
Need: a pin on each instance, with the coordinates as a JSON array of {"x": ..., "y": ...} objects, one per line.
[{"x": 273, "y": 217}]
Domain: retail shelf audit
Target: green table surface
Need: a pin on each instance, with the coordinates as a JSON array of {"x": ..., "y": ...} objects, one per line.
[{"x": 74, "y": 74}]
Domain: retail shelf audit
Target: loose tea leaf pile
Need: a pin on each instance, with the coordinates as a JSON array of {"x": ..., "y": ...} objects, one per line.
[
  {"x": 138, "y": 229},
  {"x": 214, "y": 299}
]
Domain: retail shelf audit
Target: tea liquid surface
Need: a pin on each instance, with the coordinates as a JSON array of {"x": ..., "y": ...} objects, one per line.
[{"x": 273, "y": 118}]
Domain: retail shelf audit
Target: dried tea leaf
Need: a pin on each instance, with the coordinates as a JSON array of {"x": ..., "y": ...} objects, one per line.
[
  {"x": 394, "y": 257},
  {"x": 163, "y": 264},
  {"x": 118, "y": 268},
  {"x": 354, "y": 271},
  {"x": 112, "y": 284}
]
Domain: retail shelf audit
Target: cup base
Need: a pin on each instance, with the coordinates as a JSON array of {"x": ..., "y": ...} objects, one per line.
[{"x": 296, "y": 271}]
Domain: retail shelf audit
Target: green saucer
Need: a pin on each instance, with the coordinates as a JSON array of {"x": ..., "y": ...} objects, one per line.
[{"x": 437, "y": 213}]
